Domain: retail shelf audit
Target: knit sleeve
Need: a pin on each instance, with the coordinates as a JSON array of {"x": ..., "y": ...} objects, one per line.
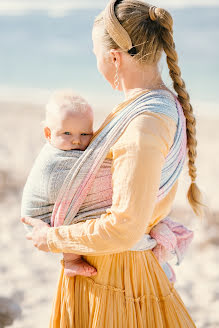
[{"x": 138, "y": 158}]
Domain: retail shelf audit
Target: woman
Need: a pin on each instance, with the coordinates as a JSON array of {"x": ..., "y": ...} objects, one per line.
[{"x": 130, "y": 288}]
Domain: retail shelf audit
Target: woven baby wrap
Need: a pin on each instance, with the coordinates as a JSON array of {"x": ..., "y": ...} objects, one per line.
[
  {"x": 74, "y": 186},
  {"x": 79, "y": 182},
  {"x": 80, "y": 178},
  {"x": 46, "y": 178}
]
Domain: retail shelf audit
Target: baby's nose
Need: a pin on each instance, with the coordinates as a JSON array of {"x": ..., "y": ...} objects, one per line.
[{"x": 76, "y": 141}]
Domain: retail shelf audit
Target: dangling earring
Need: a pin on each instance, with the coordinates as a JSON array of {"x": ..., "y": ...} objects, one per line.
[{"x": 116, "y": 78}]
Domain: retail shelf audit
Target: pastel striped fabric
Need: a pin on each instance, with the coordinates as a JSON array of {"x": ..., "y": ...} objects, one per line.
[{"x": 80, "y": 178}]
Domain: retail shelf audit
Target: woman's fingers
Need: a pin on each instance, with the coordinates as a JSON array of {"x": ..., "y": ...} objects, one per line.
[
  {"x": 29, "y": 236},
  {"x": 27, "y": 220},
  {"x": 38, "y": 235},
  {"x": 30, "y": 221},
  {"x": 34, "y": 222}
]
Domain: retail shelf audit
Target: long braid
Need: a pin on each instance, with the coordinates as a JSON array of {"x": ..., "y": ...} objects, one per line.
[
  {"x": 151, "y": 31},
  {"x": 165, "y": 20}
]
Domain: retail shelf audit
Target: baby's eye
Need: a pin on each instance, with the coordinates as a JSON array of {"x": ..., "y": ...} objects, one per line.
[
  {"x": 67, "y": 133},
  {"x": 84, "y": 134}
]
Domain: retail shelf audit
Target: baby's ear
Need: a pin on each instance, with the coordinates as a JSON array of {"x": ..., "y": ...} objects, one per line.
[{"x": 47, "y": 132}]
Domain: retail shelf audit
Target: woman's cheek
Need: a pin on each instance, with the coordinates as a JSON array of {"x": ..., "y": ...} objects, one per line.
[
  {"x": 106, "y": 69},
  {"x": 107, "y": 73}
]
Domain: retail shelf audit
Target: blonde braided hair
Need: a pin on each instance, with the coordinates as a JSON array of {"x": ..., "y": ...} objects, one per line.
[
  {"x": 165, "y": 20},
  {"x": 150, "y": 30}
]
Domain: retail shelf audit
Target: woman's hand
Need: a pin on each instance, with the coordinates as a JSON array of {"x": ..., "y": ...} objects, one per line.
[{"x": 39, "y": 233}]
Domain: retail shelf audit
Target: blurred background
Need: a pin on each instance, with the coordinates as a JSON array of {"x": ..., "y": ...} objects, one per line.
[{"x": 47, "y": 45}]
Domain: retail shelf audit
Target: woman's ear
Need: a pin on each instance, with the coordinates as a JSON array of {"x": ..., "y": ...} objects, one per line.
[
  {"x": 116, "y": 57},
  {"x": 47, "y": 132}
]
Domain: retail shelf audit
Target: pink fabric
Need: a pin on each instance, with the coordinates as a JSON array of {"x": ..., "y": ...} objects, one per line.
[
  {"x": 80, "y": 178},
  {"x": 172, "y": 239}
]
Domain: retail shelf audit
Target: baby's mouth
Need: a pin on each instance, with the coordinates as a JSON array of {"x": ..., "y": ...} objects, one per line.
[{"x": 76, "y": 149}]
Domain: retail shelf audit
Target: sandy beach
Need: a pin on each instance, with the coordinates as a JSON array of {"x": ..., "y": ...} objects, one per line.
[{"x": 29, "y": 277}]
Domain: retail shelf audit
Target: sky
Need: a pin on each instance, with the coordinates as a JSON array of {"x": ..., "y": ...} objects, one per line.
[{"x": 61, "y": 7}]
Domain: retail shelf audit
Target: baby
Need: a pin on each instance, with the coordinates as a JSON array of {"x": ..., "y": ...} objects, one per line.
[{"x": 68, "y": 128}]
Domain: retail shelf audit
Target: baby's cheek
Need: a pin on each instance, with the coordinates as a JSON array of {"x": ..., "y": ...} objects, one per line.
[
  {"x": 59, "y": 142},
  {"x": 86, "y": 142}
]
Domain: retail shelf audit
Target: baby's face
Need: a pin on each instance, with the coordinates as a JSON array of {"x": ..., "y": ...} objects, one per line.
[{"x": 71, "y": 131}]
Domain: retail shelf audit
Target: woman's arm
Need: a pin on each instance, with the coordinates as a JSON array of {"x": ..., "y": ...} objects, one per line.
[{"x": 138, "y": 158}]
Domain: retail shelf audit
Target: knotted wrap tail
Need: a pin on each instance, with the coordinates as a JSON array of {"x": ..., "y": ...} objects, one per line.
[{"x": 173, "y": 239}]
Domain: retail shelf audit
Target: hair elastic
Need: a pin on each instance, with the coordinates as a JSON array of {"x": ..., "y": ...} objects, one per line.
[{"x": 152, "y": 13}]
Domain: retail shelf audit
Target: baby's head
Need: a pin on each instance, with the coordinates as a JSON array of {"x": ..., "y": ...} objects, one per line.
[{"x": 69, "y": 121}]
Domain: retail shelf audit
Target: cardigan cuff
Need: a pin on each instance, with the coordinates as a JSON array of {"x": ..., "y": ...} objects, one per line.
[{"x": 50, "y": 243}]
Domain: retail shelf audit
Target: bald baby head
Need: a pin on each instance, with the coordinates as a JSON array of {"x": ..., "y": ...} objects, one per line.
[{"x": 69, "y": 121}]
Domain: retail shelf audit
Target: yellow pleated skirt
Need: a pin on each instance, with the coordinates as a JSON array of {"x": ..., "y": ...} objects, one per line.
[{"x": 130, "y": 290}]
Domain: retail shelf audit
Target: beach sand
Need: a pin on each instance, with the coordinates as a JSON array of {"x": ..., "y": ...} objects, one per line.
[{"x": 29, "y": 277}]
